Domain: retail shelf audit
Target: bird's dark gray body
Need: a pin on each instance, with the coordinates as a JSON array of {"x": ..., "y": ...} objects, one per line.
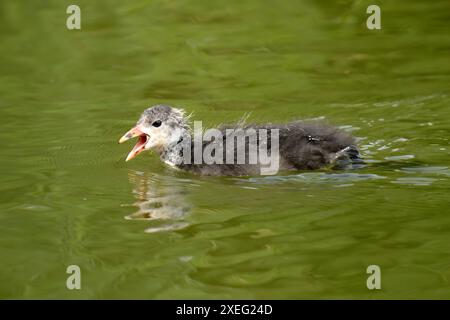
[{"x": 302, "y": 146}]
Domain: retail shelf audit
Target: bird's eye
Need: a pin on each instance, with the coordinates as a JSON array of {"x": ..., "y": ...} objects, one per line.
[{"x": 157, "y": 123}]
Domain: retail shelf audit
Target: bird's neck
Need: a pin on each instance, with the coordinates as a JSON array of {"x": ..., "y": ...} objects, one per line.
[{"x": 172, "y": 154}]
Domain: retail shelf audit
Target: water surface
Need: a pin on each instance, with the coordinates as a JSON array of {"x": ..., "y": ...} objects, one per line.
[{"x": 142, "y": 230}]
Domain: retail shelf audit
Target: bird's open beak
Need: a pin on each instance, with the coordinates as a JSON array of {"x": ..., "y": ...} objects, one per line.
[{"x": 140, "y": 145}]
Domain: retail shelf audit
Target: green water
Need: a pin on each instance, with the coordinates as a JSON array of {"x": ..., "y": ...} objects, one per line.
[{"x": 67, "y": 96}]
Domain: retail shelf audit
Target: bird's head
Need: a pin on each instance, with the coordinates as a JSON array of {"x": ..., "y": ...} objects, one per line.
[{"x": 158, "y": 127}]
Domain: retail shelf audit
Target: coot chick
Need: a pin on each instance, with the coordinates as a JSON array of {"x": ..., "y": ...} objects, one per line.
[{"x": 301, "y": 145}]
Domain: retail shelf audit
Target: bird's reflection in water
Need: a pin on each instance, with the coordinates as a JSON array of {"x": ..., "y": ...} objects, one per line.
[{"x": 160, "y": 200}]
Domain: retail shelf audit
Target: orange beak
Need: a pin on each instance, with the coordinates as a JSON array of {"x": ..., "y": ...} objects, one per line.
[{"x": 140, "y": 145}]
